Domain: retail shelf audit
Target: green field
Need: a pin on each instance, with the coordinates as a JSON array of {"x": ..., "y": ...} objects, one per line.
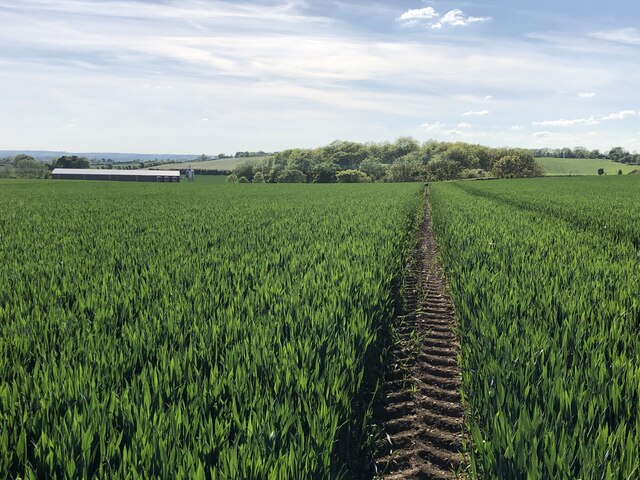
[
  {"x": 206, "y": 180},
  {"x": 208, "y": 330},
  {"x": 545, "y": 276},
  {"x": 224, "y": 164},
  {"x": 582, "y": 166},
  {"x": 192, "y": 330}
]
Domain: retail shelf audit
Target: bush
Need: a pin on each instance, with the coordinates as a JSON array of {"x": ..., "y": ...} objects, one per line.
[
  {"x": 292, "y": 176},
  {"x": 469, "y": 173},
  {"x": 27, "y": 167},
  {"x": 73, "y": 161},
  {"x": 518, "y": 164},
  {"x": 233, "y": 178},
  {"x": 373, "y": 168},
  {"x": 352, "y": 176},
  {"x": 258, "y": 178},
  {"x": 443, "y": 170},
  {"x": 244, "y": 169},
  {"x": 324, "y": 172},
  {"x": 406, "y": 169},
  {"x": 243, "y": 180}
]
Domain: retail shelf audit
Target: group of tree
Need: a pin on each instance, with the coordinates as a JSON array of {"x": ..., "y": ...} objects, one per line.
[
  {"x": 601, "y": 172},
  {"x": 616, "y": 154},
  {"x": 405, "y": 160},
  {"x": 26, "y": 166},
  {"x": 252, "y": 154},
  {"x": 71, "y": 161}
]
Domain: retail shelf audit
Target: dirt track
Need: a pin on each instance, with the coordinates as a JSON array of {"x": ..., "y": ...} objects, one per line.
[{"x": 420, "y": 411}]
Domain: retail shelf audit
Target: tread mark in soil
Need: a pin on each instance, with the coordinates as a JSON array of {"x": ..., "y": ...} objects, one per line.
[{"x": 420, "y": 413}]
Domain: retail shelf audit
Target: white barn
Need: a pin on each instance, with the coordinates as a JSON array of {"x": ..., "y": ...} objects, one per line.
[{"x": 170, "y": 176}]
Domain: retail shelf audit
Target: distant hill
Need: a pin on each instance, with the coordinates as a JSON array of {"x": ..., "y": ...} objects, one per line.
[
  {"x": 47, "y": 156},
  {"x": 222, "y": 164},
  {"x": 582, "y": 166}
]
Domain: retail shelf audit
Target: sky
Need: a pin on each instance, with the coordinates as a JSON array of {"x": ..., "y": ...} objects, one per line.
[{"x": 208, "y": 76}]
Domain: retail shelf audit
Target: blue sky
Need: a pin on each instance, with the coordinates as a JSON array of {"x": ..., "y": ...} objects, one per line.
[{"x": 193, "y": 76}]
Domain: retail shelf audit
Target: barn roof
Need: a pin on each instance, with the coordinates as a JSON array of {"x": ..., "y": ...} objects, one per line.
[{"x": 139, "y": 173}]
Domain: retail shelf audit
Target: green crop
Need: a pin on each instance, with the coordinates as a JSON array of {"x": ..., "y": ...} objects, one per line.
[
  {"x": 194, "y": 331},
  {"x": 545, "y": 277}
]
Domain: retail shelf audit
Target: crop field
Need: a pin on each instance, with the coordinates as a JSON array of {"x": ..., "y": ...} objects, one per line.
[
  {"x": 582, "y": 166},
  {"x": 545, "y": 277},
  {"x": 195, "y": 331},
  {"x": 222, "y": 164}
]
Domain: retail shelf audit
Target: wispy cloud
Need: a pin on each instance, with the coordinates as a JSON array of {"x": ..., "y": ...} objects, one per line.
[
  {"x": 432, "y": 127},
  {"x": 592, "y": 120},
  {"x": 567, "y": 123},
  {"x": 456, "y": 133},
  {"x": 586, "y": 95},
  {"x": 478, "y": 113},
  {"x": 544, "y": 134},
  {"x": 628, "y": 36},
  {"x": 291, "y": 72},
  {"x": 620, "y": 115}
]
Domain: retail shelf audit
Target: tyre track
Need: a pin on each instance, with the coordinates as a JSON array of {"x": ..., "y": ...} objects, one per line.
[{"x": 420, "y": 412}]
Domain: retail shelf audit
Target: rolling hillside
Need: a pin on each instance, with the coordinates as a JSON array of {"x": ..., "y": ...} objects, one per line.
[{"x": 582, "y": 166}]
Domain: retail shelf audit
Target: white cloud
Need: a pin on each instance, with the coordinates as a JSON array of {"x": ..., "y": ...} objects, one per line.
[
  {"x": 456, "y": 18},
  {"x": 593, "y": 120},
  {"x": 543, "y": 134},
  {"x": 567, "y": 123},
  {"x": 456, "y": 133},
  {"x": 288, "y": 77},
  {"x": 488, "y": 97},
  {"x": 432, "y": 127},
  {"x": 516, "y": 128},
  {"x": 479, "y": 113},
  {"x": 419, "y": 14},
  {"x": 620, "y": 115},
  {"x": 464, "y": 125},
  {"x": 629, "y": 36},
  {"x": 453, "y": 18},
  {"x": 587, "y": 95}
]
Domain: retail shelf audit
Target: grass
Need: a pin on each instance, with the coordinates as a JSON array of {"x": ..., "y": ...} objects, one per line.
[
  {"x": 582, "y": 166},
  {"x": 544, "y": 275},
  {"x": 183, "y": 331},
  {"x": 206, "y": 180},
  {"x": 224, "y": 164}
]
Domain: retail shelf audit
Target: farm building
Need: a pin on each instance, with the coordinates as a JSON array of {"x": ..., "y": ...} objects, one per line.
[{"x": 116, "y": 175}]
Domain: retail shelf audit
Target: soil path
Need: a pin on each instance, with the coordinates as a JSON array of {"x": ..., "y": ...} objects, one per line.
[{"x": 420, "y": 411}]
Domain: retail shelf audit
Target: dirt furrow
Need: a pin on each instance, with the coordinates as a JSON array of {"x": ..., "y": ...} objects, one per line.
[{"x": 420, "y": 413}]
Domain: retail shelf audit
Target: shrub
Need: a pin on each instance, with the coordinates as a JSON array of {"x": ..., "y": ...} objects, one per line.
[
  {"x": 518, "y": 164},
  {"x": 352, "y": 176},
  {"x": 292, "y": 176}
]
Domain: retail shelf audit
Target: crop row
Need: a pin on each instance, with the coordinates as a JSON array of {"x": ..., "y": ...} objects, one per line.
[
  {"x": 549, "y": 322},
  {"x": 194, "y": 331}
]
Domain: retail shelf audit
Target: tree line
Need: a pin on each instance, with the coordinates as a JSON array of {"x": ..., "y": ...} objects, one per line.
[
  {"x": 616, "y": 154},
  {"x": 405, "y": 160}
]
